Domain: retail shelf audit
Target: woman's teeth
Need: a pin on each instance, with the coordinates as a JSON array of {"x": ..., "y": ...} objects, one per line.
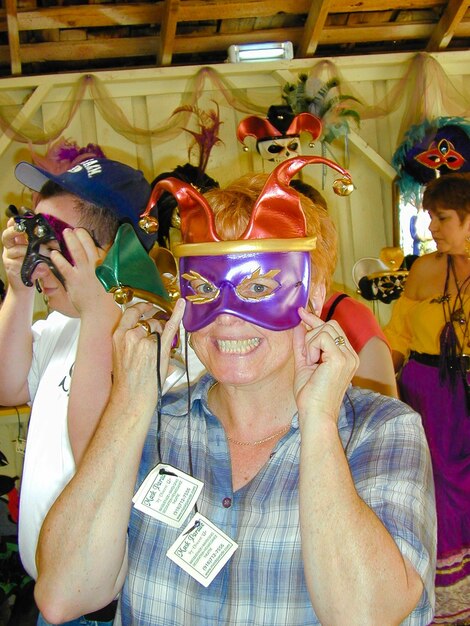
[{"x": 237, "y": 346}]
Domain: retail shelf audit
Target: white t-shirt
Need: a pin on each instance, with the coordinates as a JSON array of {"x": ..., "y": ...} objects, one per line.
[{"x": 49, "y": 462}]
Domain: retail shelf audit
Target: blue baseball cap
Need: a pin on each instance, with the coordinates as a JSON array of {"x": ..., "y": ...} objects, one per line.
[{"x": 106, "y": 183}]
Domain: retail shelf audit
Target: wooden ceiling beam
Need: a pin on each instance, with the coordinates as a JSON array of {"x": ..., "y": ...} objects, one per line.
[
  {"x": 353, "y": 6},
  {"x": 168, "y": 32},
  {"x": 13, "y": 37},
  {"x": 102, "y": 15},
  {"x": 365, "y": 33},
  {"x": 160, "y": 40},
  {"x": 447, "y": 25},
  {"x": 193, "y": 10},
  {"x": 88, "y": 15},
  {"x": 120, "y": 48},
  {"x": 313, "y": 28}
]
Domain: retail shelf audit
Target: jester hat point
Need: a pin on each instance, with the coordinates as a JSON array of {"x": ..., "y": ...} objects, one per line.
[{"x": 277, "y": 221}]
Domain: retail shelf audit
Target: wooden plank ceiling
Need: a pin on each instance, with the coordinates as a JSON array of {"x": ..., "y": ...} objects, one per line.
[{"x": 50, "y": 36}]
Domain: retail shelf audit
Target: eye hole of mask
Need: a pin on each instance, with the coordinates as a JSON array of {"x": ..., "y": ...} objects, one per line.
[
  {"x": 294, "y": 146},
  {"x": 258, "y": 286},
  {"x": 275, "y": 148},
  {"x": 204, "y": 290}
]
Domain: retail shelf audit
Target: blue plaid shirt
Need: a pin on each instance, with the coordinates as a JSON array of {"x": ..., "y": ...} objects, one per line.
[{"x": 263, "y": 583}]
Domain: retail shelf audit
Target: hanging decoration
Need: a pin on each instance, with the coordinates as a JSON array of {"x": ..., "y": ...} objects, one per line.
[
  {"x": 207, "y": 135},
  {"x": 278, "y": 134},
  {"x": 18, "y": 126},
  {"x": 324, "y": 100},
  {"x": 423, "y": 90},
  {"x": 433, "y": 148},
  {"x": 382, "y": 278}
]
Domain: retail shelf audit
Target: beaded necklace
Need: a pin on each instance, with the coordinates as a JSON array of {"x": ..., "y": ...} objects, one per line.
[{"x": 451, "y": 363}]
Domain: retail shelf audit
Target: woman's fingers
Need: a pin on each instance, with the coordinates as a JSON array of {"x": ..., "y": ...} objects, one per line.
[
  {"x": 173, "y": 324},
  {"x": 324, "y": 336},
  {"x": 139, "y": 318},
  {"x": 135, "y": 346}
]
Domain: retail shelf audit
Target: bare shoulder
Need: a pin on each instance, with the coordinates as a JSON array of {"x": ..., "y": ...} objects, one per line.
[{"x": 426, "y": 277}]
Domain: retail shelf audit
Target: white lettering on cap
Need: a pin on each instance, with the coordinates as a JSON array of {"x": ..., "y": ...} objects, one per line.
[{"x": 92, "y": 167}]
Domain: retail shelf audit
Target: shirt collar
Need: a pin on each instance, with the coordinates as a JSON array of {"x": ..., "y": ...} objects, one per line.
[{"x": 176, "y": 404}]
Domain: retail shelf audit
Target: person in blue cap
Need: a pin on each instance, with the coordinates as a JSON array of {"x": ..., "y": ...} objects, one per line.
[{"x": 62, "y": 365}]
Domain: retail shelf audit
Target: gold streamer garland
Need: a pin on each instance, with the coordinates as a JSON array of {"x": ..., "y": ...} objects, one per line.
[
  {"x": 15, "y": 125},
  {"x": 424, "y": 90}
]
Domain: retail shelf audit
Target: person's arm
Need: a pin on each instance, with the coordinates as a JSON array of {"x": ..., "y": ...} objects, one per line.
[
  {"x": 375, "y": 370},
  {"x": 16, "y": 313},
  {"x": 82, "y": 546},
  {"x": 354, "y": 570},
  {"x": 99, "y": 316},
  {"x": 398, "y": 359}
]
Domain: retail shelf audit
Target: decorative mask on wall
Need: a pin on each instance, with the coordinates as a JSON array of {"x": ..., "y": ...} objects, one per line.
[
  {"x": 278, "y": 135},
  {"x": 431, "y": 149}
]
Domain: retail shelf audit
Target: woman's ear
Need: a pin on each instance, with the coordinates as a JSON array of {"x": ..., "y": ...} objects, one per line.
[{"x": 317, "y": 298}]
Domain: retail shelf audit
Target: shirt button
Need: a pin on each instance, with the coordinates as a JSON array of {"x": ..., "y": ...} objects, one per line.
[{"x": 227, "y": 502}]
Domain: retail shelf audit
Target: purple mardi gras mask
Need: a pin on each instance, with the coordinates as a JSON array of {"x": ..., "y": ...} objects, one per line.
[
  {"x": 264, "y": 276},
  {"x": 264, "y": 288},
  {"x": 41, "y": 229}
]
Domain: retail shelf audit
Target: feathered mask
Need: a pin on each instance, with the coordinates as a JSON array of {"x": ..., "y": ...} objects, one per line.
[{"x": 431, "y": 149}]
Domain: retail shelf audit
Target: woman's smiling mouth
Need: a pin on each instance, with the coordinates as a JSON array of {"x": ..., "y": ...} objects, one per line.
[{"x": 237, "y": 346}]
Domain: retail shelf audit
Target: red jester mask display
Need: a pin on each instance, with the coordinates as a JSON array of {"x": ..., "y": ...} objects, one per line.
[
  {"x": 264, "y": 276},
  {"x": 278, "y": 135}
]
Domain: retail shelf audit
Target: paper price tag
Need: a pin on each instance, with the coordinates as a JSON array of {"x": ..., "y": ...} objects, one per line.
[
  {"x": 202, "y": 550},
  {"x": 167, "y": 494}
]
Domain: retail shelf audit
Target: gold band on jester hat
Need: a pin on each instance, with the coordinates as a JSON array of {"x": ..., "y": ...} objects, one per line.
[{"x": 217, "y": 248}]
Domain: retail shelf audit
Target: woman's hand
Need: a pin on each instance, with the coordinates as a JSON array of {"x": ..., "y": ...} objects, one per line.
[
  {"x": 135, "y": 352},
  {"x": 323, "y": 367}
]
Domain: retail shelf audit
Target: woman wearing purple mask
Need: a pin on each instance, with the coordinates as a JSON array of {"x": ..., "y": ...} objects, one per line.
[{"x": 271, "y": 492}]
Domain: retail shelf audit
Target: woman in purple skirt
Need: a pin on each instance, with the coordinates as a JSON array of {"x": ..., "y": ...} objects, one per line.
[{"x": 430, "y": 332}]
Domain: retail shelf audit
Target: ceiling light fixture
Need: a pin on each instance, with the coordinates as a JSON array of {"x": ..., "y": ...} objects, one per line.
[{"x": 249, "y": 52}]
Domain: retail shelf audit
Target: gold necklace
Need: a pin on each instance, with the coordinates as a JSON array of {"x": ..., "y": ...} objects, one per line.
[{"x": 259, "y": 441}]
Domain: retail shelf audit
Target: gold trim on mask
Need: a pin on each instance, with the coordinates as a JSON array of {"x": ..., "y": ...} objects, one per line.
[
  {"x": 200, "y": 298},
  {"x": 216, "y": 248},
  {"x": 265, "y": 280}
]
